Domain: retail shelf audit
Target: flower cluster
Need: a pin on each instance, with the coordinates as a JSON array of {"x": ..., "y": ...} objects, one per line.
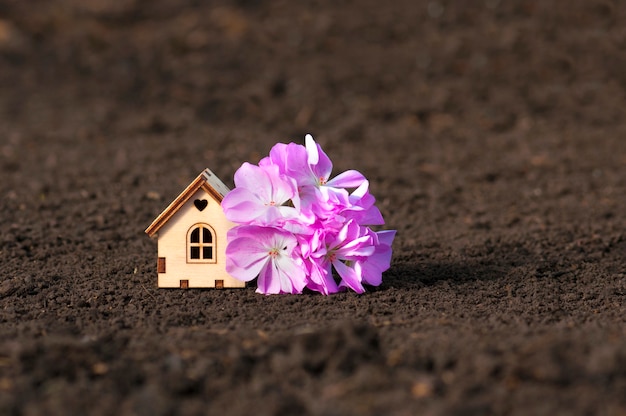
[{"x": 296, "y": 224}]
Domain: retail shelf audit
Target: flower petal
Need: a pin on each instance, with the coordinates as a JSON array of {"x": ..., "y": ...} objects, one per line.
[
  {"x": 266, "y": 283},
  {"x": 241, "y": 206},
  {"x": 319, "y": 162},
  {"x": 311, "y": 150},
  {"x": 321, "y": 278},
  {"x": 349, "y": 277},
  {"x": 347, "y": 179},
  {"x": 386, "y": 237},
  {"x": 254, "y": 179},
  {"x": 245, "y": 258},
  {"x": 291, "y": 274}
]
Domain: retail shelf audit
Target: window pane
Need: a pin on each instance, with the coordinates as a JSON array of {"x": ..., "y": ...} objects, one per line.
[
  {"x": 195, "y": 236},
  {"x": 207, "y": 253},
  {"x": 195, "y": 253},
  {"x": 206, "y": 236}
]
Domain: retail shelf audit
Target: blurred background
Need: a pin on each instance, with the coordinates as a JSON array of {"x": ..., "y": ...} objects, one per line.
[
  {"x": 419, "y": 86},
  {"x": 422, "y": 96},
  {"x": 455, "y": 111},
  {"x": 351, "y": 69}
]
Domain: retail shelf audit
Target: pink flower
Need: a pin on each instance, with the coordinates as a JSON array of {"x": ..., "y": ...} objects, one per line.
[
  {"x": 268, "y": 253},
  {"x": 319, "y": 270},
  {"x": 360, "y": 207},
  {"x": 341, "y": 251},
  {"x": 322, "y": 193},
  {"x": 291, "y": 160},
  {"x": 300, "y": 228},
  {"x": 311, "y": 168},
  {"x": 260, "y": 197},
  {"x": 373, "y": 266},
  {"x": 322, "y": 167}
]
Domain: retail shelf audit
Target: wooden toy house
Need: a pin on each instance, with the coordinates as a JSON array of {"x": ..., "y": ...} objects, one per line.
[{"x": 191, "y": 237}]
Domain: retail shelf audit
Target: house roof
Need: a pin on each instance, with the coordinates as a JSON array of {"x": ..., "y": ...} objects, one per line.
[{"x": 207, "y": 181}]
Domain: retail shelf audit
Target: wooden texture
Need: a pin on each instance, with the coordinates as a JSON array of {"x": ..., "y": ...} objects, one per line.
[
  {"x": 197, "y": 206},
  {"x": 206, "y": 180}
]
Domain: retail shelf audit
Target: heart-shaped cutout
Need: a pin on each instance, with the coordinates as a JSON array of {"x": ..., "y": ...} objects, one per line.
[{"x": 200, "y": 204}]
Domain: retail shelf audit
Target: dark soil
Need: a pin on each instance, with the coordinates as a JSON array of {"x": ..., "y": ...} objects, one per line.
[{"x": 494, "y": 137}]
